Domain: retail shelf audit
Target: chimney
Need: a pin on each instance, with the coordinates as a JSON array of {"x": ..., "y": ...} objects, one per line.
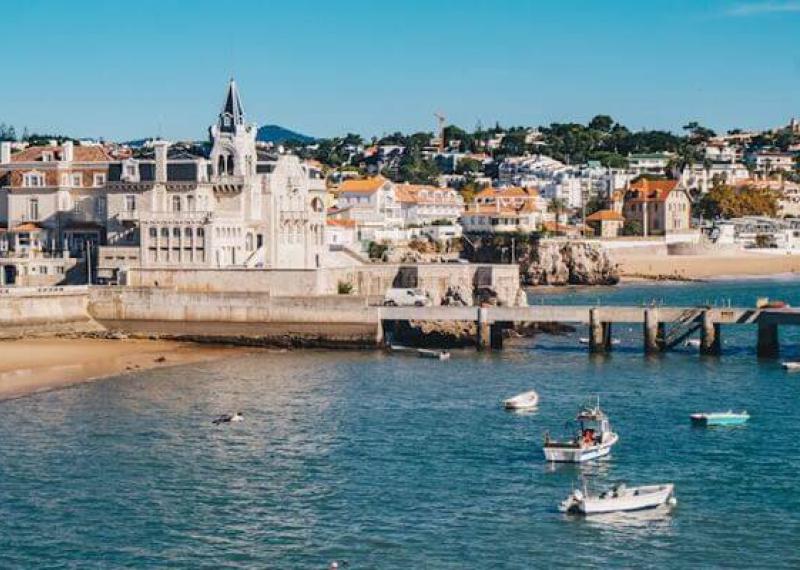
[
  {"x": 5, "y": 152},
  {"x": 67, "y": 154},
  {"x": 161, "y": 160}
]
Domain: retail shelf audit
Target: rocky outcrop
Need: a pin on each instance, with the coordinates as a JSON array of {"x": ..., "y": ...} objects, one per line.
[
  {"x": 568, "y": 263},
  {"x": 458, "y": 296}
]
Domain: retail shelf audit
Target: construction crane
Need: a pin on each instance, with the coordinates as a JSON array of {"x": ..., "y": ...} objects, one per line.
[{"x": 440, "y": 119}]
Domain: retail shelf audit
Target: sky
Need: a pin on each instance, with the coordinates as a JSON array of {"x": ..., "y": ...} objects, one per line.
[{"x": 125, "y": 70}]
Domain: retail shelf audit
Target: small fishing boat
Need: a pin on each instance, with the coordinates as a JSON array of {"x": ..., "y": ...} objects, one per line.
[
  {"x": 435, "y": 354},
  {"x": 524, "y": 401},
  {"x": 593, "y": 438},
  {"x": 619, "y": 499},
  {"x": 729, "y": 418},
  {"x": 692, "y": 342},
  {"x": 585, "y": 340},
  {"x": 791, "y": 365}
]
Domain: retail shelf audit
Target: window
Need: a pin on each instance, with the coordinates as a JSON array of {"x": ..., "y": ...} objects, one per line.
[
  {"x": 99, "y": 179},
  {"x": 100, "y": 207},
  {"x": 43, "y": 270},
  {"x": 165, "y": 232},
  {"x": 33, "y": 180},
  {"x": 190, "y": 203},
  {"x": 200, "y": 232},
  {"x": 47, "y": 156},
  {"x": 33, "y": 208},
  {"x": 130, "y": 203},
  {"x": 77, "y": 179},
  {"x": 176, "y": 233},
  {"x": 187, "y": 233},
  {"x": 176, "y": 203},
  {"x": 153, "y": 233},
  {"x": 130, "y": 170}
]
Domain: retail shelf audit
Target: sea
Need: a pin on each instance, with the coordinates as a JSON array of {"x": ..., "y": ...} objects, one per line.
[{"x": 387, "y": 461}]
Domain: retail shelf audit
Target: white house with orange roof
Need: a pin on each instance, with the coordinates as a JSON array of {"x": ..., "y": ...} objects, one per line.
[
  {"x": 373, "y": 205},
  {"x": 661, "y": 207},
  {"x": 498, "y": 218},
  {"x": 423, "y": 205}
]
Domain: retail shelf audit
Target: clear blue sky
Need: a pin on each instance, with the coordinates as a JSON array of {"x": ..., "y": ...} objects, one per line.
[{"x": 130, "y": 69}]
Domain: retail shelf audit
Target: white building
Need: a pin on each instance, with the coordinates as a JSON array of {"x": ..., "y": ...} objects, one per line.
[{"x": 232, "y": 206}]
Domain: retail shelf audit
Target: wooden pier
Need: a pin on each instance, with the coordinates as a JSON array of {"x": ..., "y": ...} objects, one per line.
[{"x": 663, "y": 327}]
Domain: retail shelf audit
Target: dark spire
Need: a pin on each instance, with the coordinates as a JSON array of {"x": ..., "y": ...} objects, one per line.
[{"x": 232, "y": 111}]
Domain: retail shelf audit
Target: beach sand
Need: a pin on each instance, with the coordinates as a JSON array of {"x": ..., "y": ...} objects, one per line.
[
  {"x": 742, "y": 264},
  {"x": 35, "y": 365}
]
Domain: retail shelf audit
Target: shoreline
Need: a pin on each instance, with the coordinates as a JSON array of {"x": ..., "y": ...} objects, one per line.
[{"x": 35, "y": 365}]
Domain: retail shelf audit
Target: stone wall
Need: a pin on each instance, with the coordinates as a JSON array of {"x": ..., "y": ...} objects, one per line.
[
  {"x": 44, "y": 310},
  {"x": 368, "y": 280}
]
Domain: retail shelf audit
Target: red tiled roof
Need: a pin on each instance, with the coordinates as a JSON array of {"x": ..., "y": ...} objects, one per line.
[
  {"x": 79, "y": 154},
  {"x": 605, "y": 216},
  {"x": 644, "y": 190}
]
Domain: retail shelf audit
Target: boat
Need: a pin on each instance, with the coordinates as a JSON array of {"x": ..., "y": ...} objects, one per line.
[
  {"x": 619, "y": 498},
  {"x": 729, "y": 418},
  {"x": 421, "y": 352},
  {"x": 594, "y": 438},
  {"x": 524, "y": 401},
  {"x": 585, "y": 340},
  {"x": 435, "y": 354},
  {"x": 693, "y": 342},
  {"x": 791, "y": 365}
]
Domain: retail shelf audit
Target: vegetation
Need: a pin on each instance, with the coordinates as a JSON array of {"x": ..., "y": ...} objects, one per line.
[
  {"x": 632, "y": 228},
  {"x": 376, "y": 250},
  {"x": 724, "y": 201},
  {"x": 344, "y": 288}
]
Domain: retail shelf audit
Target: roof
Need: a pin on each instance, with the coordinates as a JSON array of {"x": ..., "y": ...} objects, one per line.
[
  {"x": 27, "y": 227},
  {"x": 79, "y": 154},
  {"x": 509, "y": 192},
  {"x": 365, "y": 185},
  {"x": 494, "y": 209},
  {"x": 341, "y": 223},
  {"x": 645, "y": 190},
  {"x": 605, "y": 216}
]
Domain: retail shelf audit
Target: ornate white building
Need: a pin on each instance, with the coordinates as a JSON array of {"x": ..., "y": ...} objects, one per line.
[{"x": 229, "y": 206}]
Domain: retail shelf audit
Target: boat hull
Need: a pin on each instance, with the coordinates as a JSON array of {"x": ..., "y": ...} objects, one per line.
[
  {"x": 722, "y": 420},
  {"x": 644, "y": 498},
  {"x": 524, "y": 401},
  {"x": 564, "y": 454}
]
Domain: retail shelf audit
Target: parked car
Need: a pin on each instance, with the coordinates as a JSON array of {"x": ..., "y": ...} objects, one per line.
[{"x": 406, "y": 298}]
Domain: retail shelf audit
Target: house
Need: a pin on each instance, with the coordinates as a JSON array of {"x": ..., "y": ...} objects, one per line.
[
  {"x": 499, "y": 218},
  {"x": 661, "y": 207},
  {"x": 606, "y": 223},
  {"x": 649, "y": 163},
  {"x": 372, "y": 203},
  {"x": 228, "y": 206},
  {"x": 423, "y": 205},
  {"x": 767, "y": 161},
  {"x": 52, "y": 208}
]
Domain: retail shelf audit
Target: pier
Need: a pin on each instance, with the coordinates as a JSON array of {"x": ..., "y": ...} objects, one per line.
[{"x": 663, "y": 327}]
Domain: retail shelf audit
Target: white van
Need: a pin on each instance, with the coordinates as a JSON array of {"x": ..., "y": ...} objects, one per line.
[{"x": 406, "y": 298}]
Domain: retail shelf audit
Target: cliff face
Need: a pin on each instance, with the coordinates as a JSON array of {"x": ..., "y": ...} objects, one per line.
[
  {"x": 567, "y": 263},
  {"x": 551, "y": 262}
]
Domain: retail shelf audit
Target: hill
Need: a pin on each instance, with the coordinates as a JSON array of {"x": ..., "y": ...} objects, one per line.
[{"x": 277, "y": 134}]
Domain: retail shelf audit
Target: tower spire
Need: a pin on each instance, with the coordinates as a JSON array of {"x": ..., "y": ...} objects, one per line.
[{"x": 232, "y": 110}]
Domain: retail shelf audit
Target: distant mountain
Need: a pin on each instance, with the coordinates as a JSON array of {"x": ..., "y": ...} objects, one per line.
[{"x": 277, "y": 134}]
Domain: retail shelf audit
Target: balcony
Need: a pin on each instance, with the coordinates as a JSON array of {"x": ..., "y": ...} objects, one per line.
[{"x": 186, "y": 217}]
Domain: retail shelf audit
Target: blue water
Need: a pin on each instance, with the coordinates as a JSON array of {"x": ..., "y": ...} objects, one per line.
[{"x": 396, "y": 462}]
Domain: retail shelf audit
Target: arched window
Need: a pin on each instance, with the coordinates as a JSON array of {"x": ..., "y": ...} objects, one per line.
[
  {"x": 187, "y": 232},
  {"x": 221, "y": 165},
  {"x": 200, "y": 232},
  {"x": 230, "y": 164},
  {"x": 153, "y": 232},
  {"x": 165, "y": 232},
  {"x": 190, "y": 203},
  {"x": 176, "y": 203},
  {"x": 176, "y": 233}
]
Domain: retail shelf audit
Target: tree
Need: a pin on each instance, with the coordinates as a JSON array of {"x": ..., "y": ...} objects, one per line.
[
  {"x": 632, "y": 228},
  {"x": 557, "y": 205},
  {"x": 7, "y": 132},
  {"x": 724, "y": 201},
  {"x": 601, "y": 123}
]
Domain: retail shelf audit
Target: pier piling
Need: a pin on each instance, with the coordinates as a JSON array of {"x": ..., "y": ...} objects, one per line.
[
  {"x": 597, "y": 340},
  {"x": 710, "y": 336},
  {"x": 651, "y": 331},
  {"x": 768, "y": 343},
  {"x": 484, "y": 330}
]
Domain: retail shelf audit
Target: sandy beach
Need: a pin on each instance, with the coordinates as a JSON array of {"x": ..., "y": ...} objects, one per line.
[
  {"x": 28, "y": 366},
  {"x": 743, "y": 264}
]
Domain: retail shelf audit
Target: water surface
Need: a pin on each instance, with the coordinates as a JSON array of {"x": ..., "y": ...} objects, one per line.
[{"x": 395, "y": 462}]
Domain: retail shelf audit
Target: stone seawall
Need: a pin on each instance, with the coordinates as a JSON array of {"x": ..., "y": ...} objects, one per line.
[
  {"x": 30, "y": 311},
  {"x": 243, "y": 318}
]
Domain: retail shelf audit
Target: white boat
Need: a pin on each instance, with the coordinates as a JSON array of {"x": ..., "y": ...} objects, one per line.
[
  {"x": 619, "y": 499},
  {"x": 692, "y": 342},
  {"x": 524, "y": 401},
  {"x": 791, "y": 365},
  {"x": 594, "y": 438},
  {"x": 435, "y": 354},
  {"x": 585, "y": 340}
]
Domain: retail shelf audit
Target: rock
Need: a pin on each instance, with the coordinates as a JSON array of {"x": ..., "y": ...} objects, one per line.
[
  {"x": 161, "y": 359},
  {"x": 458, "y": 295},
  {"x": 568, "y": 263}
]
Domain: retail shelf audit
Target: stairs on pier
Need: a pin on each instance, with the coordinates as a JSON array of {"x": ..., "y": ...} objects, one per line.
[{"x": 682, "y": 328}]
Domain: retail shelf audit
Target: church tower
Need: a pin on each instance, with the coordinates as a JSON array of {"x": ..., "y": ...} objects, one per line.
[{"x": 233, "y": 150}]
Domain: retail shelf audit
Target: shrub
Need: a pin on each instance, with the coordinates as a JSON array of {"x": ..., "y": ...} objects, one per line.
[{"x": 344, "y": 288}]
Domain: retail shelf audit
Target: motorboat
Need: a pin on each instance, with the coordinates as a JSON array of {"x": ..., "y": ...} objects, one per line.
[
  {"x": 593, "y": 438},
  {"x": 791, "y": 365},
  {"x": 692, "y": 342},
  {"x": 729, "y": 418},
  {"x": 619, "y": 498},
  {"x": 435, "y": 354},
  {"x": 525, "y": 401}
]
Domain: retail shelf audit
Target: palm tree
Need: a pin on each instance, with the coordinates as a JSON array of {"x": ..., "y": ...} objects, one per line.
[{"x": 556, "y": 205}]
